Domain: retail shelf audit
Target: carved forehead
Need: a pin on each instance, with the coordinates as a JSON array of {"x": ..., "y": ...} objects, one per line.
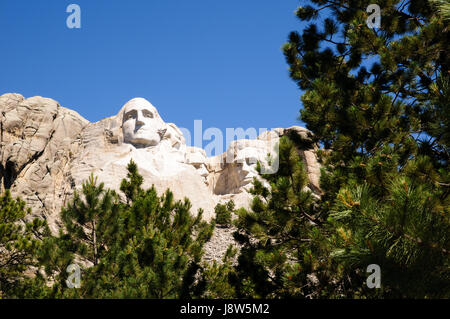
[{"x": 139, "y": 104}]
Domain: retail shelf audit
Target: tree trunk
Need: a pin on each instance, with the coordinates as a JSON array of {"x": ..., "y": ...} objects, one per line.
[{"x": 94, "y": 238}]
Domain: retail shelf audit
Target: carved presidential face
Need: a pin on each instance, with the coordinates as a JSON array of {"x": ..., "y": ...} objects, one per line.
[{"x": 142, "y": 126}]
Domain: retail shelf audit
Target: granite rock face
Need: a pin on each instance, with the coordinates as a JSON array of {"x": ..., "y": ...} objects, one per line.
[
  {"x": 47, "y": 151},
  {"x": 38, "y": 141}
]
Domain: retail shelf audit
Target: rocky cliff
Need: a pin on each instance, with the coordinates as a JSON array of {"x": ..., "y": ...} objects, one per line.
[{"x": 47, "y": 151}]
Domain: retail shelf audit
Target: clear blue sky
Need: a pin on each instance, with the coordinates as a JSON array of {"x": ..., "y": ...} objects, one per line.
[{"x": 218, "y": 61}]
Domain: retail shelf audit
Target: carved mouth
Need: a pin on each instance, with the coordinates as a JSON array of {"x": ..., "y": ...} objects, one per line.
[{"x": 142, "y": 130}]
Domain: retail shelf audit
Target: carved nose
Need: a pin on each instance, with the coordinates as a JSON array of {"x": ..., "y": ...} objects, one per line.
[{"x": 139, "y": 120}]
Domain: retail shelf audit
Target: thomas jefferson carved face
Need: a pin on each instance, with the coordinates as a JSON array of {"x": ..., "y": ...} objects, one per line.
[{"x": 142, "y": 126}]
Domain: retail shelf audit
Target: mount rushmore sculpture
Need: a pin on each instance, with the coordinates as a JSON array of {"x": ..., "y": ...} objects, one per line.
[{"x": 47, "y": 151}]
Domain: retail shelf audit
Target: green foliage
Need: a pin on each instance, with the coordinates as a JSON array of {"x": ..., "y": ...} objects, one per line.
[
  {"x": 367, "y": 89},
  {"x": 150, "y": 247},
  {"x": 403, "y": 233},
  {"x": 132, "y": 187},
  {"x": 224, "y": 213},
  {"x": 277, "y": 234},
  {"x": 377, "y": 100},
  {"x": 442, "y": 7},
  {"x": 216, "y": 280},
  {"x": 20, "y": 241},
  {"x": 90, "y": 221}
]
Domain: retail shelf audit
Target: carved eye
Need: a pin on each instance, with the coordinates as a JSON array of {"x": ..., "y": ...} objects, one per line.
[
  {"x": 147, "y": 113},
  {"x": 130, "y": 115}
]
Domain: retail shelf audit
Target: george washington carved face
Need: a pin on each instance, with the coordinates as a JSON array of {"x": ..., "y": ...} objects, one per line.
[{"x": 141, "y": 125}]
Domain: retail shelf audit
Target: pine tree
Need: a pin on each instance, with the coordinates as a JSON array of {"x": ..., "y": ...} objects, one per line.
[
  {"x": 162, "y": 243},
  {"x": 378, "y": 102},
  {"x": 132, "y": 187},
  {"x": 148, "y": 247},
  {"x": 224, "y": 213},
  {"x": 20, "y": 241},
  {"x": 90, "y": 221},
  {"x": 403, "y": 232},
  {"x": 442, "y": 7},
  {"x": 401, "y": 103},
  {"x": 279, "y": 256}
]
